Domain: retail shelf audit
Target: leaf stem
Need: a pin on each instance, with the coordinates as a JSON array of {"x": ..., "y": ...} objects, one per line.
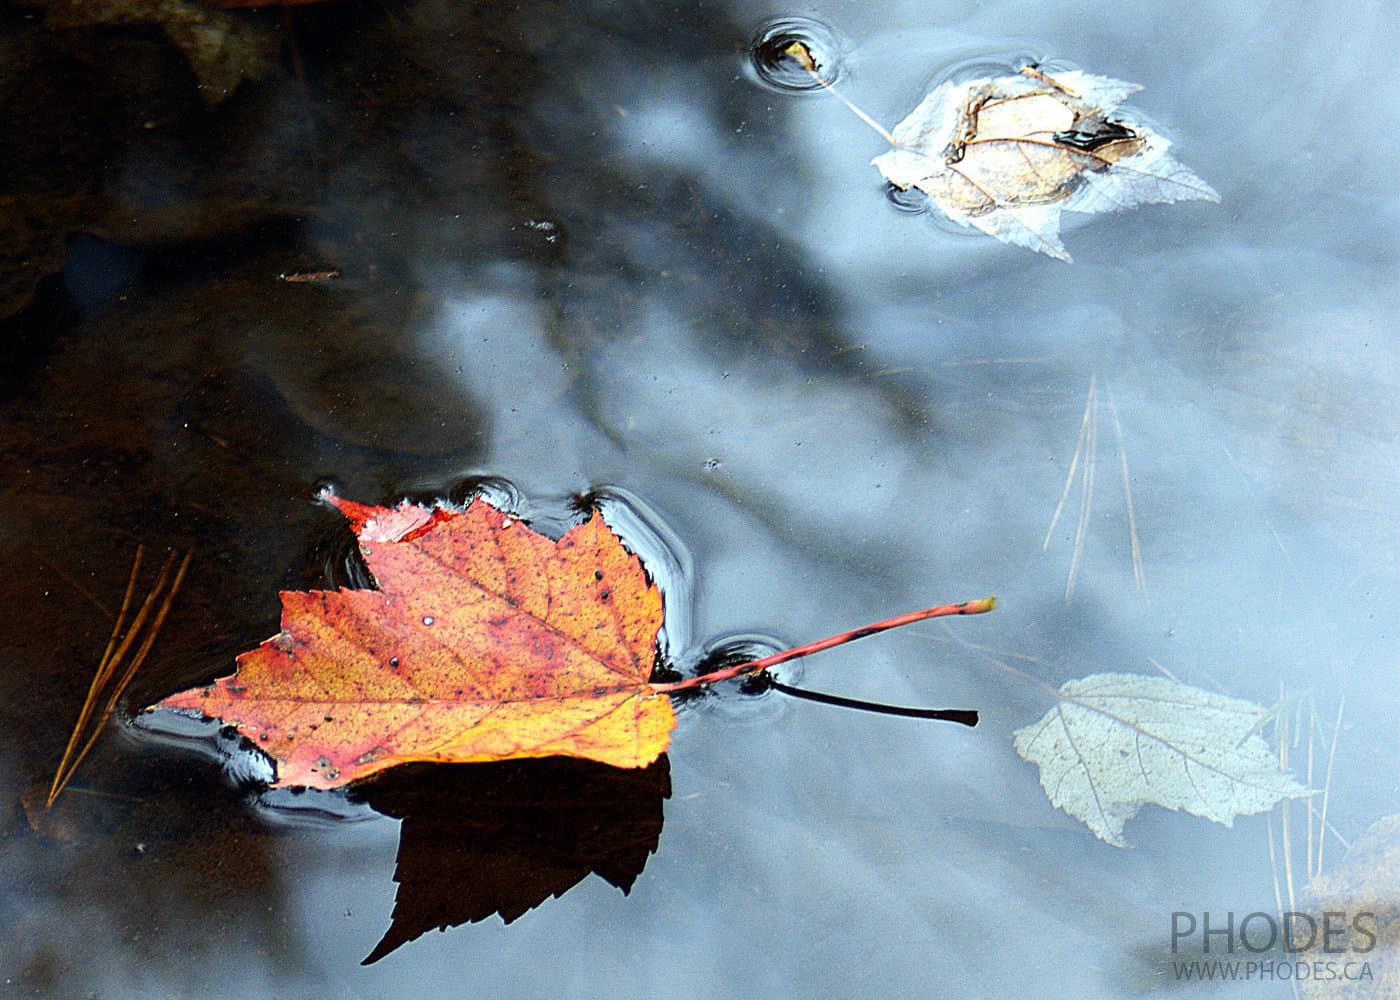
[
  {"x": 977, "y": 607},
  {"x": 962, "y": 716},
  {"x": 802, "y": 55}
]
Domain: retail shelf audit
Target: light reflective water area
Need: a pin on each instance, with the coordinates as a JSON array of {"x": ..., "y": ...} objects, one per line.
[{"x": 585, "y": 246}]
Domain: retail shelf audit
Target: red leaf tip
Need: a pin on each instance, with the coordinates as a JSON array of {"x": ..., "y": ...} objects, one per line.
[{"x": 372, "y": 523}]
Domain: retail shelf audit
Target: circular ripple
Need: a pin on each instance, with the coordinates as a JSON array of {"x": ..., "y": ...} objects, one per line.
[{"x": 772, "y": 64}]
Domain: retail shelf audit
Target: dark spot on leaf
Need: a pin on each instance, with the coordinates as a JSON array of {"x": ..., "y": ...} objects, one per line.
[{"x": 1089, "y": 134}]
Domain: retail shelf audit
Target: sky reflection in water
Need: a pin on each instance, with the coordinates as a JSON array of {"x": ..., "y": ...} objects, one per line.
[{"x": 843, "y": 412}]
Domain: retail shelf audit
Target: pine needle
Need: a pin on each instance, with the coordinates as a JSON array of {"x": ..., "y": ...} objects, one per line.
[
  {"x": 1084, "y": 464},
  {"x": 1286, "y": 821},
  {"x": 1073, "y": 466},
  {"x": 115, "y": 658},
  {"x": 1086, "y": 489},
  {"x": 1322, "y": 826},
  {"x": 1139, "y": 577}
]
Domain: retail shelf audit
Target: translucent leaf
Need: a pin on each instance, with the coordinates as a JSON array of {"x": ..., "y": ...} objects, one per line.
[
  {"x": 1008, "y": 154},
  {"x": 1116, "y": 742}
]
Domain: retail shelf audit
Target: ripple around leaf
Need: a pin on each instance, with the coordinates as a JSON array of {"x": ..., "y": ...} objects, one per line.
[{"x": 772, "y": 66}]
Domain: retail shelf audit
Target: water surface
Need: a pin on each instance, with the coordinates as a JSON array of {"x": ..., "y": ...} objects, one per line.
[{"x": 582, "y": 246}]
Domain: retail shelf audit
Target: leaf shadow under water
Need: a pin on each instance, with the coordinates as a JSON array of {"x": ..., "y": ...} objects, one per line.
[{"x": 500, "y": 838}]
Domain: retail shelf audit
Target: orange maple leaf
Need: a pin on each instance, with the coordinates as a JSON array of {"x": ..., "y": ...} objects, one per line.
[{"x": 485, "y": 641}]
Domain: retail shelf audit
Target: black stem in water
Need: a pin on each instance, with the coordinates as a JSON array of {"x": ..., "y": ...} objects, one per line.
[{"x": 962, "y": 716}]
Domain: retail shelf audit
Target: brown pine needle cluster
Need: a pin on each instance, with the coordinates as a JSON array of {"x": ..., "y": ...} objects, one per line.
[{"x": 127, "y": 648}]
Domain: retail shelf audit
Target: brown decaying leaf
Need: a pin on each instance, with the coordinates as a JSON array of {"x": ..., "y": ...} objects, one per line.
[
  {"x": 1116, "y": 742},
  {"x": 222, "y": 50},
  {"x": 1366, "y": 882},
  {"x": 1009, "y": 154}
]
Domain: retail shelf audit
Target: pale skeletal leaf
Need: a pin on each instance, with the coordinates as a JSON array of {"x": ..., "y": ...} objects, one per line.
[
  {"x": 1008, "y": 154},
  {"x": 1116, "y": 742}
]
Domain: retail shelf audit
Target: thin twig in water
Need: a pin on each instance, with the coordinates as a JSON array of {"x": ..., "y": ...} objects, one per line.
[
  {"x": 1273, "y": 870},
  {"x": 114, "y": 658},
  {"x": 1163, "y": 671},
  {"x": 1312, "y": 866},
  {"x": 1073, "y": 466},
  {"x": 1084, "y": 463},
  {"x": 1327, "y": 785},
  {"x": 954, "y": 639},
  {"x": 1086, "y": 487},
  {"x": 63, "y": 575},
  {"x": 1138, "y": 576},
  {"x": 1286, "y": 819},
  {"x": 1308, "y": 816}
]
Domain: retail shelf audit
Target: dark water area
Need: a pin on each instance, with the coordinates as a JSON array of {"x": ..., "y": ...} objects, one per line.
[{"x": 588, "y": 250}]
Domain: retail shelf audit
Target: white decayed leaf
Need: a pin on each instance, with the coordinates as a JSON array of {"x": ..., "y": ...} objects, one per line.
[
  {"x": 1008, "y": 154},
  {"x": 1116, "y": 742}
]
